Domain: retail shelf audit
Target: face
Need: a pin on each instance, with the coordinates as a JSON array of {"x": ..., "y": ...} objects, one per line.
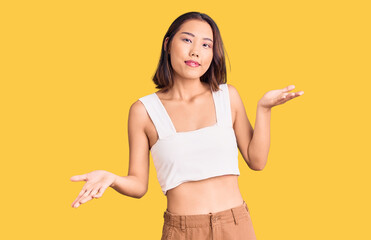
[{"x": 191, "y": 49}]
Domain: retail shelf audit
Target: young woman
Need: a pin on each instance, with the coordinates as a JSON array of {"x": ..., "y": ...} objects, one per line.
[{"x": 193, "y": 126}]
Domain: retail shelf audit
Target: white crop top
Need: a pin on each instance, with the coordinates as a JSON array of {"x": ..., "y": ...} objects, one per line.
[{"x": 193, "y": 155}]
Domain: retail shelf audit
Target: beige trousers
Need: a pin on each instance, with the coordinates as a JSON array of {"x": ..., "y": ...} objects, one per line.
[{"x": 234, "y": 223}]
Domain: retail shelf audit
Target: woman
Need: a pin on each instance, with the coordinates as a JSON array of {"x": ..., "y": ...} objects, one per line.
[{"x": 193, "y": 127}]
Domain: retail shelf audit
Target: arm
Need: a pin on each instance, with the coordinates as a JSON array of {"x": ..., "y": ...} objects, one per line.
[
  {"x": 129, "y": 185},
  {"x": 135, "y": 184},
  {"x": 260, "y": 142},
  {"x": 254, "y": 144},
  {"x": 259, "y": 146},
  {"x": 244, "y": 131}
]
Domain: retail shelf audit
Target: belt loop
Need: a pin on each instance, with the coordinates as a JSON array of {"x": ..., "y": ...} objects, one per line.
[
  {"x": 211, "y": 219},
  {"x": 247, "y": 208},
  {"x": 183, "y": 222},
  {"x": 234, "y": 217}
]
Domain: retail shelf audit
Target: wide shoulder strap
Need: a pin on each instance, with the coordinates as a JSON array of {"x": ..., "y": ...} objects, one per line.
[
  {"x": 223, "y": 106},
  {"x": 158, "y": 115}
]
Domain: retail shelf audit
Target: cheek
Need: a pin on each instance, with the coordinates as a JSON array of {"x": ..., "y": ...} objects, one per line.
[
  {"x": 209, "y": 59},
  {"x": 176, "y": 61},
  {"x": 178, "y": 55},
  {"x": 179, "y": 50}
]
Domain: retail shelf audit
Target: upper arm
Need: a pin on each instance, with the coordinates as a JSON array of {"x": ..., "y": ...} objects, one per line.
[
  {"x": 241, "y": 124},
  {"x": 138, "y": 144}
]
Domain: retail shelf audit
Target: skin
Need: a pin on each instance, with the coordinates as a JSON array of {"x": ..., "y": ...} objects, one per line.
[{"x": 190, "y": 106}]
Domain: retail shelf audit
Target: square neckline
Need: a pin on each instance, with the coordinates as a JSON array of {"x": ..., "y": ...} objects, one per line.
[{"x": 196, "y": 130}]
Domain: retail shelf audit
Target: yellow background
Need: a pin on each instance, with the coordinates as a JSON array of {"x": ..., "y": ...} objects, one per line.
[{"x": 70, "y": 71}]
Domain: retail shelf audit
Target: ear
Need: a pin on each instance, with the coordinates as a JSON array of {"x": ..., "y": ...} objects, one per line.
[{"x": 165, "y": 44}]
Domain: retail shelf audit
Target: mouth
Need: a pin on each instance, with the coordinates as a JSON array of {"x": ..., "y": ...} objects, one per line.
[{"x": 192, "y": 63}]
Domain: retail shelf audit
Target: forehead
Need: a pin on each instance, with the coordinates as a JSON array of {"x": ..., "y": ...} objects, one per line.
[{"x": 199, "y": 28}]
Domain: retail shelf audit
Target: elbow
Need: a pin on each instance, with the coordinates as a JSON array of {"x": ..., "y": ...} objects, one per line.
[
  {"x": 258, "y": 168},
  {"x": 256, "y": 162},
  {"x": 257, "y": 165},
  {"x": 141, "y": 194}
]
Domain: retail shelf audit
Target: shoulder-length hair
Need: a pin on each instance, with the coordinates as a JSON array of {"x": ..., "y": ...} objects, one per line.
[{"x": 215, "y": 75}]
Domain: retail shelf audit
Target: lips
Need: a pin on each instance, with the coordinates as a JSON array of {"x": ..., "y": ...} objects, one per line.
[{"x": 192, "y": 63}]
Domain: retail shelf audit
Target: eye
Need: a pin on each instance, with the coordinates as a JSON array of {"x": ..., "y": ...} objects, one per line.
[
  {"x": 208, "y": 45},
  {"x": 186, "y": 39}
]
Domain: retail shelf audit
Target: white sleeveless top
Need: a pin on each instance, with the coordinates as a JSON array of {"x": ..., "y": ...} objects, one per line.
[{"x": 193, "y": 155}]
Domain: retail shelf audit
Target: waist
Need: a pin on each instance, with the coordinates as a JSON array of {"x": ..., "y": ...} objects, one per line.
[
  {"x": 205, "y": 196},
  {"x": 236, "y": 214}
]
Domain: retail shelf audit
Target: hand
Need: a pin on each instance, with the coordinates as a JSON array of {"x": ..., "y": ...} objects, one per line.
[
  {"x": 96, "y": 183},
  {"x": 277, "y": 97}
]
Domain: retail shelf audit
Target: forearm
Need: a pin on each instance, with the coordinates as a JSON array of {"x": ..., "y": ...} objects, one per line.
[
  {"x": 129, "y": 186},
  {"x": 260, "y": 142}
]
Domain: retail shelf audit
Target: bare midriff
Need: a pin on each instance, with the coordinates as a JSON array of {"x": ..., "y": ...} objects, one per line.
[{"x": 204, "y": 196}]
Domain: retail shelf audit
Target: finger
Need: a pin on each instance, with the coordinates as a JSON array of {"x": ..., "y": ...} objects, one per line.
[
  {"x": 294, "y": 95},
  {"x": 89, "y": 197},
  {"x": 290, "y": 96},
  {"x": 85, "y": 195},
  {"x": 76, "y": 178},
  {"x": 288, "y": 88},
  {"x": 86, "y": 198},
  {"x": 280, "y": 101},
  {"x": 94, "y": 192},
  {"x": 81, "y": 194},
  {"x": 82, "y": 198},
  {"x": 101, "y": 191},
  {"x": 283, "y": 96},
  {"x": 78, "y": 197}
]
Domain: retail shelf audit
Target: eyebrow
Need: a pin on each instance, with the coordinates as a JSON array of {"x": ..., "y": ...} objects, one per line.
[{"x": 194, "y": 36}]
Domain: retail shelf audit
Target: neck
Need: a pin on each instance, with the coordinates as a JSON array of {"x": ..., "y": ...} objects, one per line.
[{"x": 185, "y": 89}]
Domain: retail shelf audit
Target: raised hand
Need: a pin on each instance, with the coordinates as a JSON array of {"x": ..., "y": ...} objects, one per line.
[
  {"x": 279, "y": 96},
  {"x": 96, "y": 183}
]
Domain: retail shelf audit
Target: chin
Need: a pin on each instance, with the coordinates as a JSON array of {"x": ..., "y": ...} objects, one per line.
[
  {"x": 195, "y": 74},
  {"x": 192, "y": 76}
]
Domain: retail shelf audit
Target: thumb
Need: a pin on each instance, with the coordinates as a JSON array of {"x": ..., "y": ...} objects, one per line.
[
  {"x": 288, "y": 88},
  {"x": 76, "y": 178}
]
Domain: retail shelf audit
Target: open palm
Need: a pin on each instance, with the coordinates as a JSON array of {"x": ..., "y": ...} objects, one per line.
[
  {"x": 279, "y": 96},
  {"x": 96, "y": 183}
]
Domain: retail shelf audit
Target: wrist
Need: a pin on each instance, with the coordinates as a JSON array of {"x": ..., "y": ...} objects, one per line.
[
  {"x": 114, "y": 182},
  {"x": 262, "y": 108}
]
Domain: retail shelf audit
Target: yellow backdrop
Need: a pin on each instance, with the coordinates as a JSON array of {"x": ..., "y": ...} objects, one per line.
[{"x": 70, "y": 71}]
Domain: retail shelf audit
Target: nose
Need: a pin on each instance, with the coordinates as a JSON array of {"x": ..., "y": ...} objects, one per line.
[{"x": 194, "y": 54}]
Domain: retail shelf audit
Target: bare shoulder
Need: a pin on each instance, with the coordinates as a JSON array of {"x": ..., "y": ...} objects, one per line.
[
  {"x": 233, "y": 93},
  {"x": 235, "y": 99},
  {"x": 138, "y": 119},
  {"x": 138, "y": 112}
]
